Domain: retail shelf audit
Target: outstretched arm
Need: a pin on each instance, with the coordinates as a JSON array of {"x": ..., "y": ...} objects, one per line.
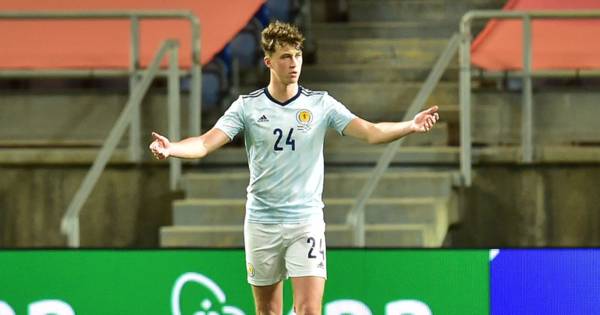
[
  {"x": 389, "y": 131},
  {"x": 189, "y": 148}
]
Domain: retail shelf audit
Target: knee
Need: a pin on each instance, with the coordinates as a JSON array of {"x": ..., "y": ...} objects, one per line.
[
  {"x": 269, "y": 309},
  {"x": 267, "y": 312},
  {"x": 308, "y": 309}
]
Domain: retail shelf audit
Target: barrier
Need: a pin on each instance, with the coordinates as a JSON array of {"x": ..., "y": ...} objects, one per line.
[{"x": 360, "y": 282}]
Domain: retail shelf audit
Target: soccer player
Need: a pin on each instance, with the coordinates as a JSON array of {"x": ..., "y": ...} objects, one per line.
[{"x": 284, "y": 126}]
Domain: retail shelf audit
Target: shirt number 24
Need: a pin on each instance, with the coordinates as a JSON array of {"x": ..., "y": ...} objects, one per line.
[{"x": 288, "y": 141}]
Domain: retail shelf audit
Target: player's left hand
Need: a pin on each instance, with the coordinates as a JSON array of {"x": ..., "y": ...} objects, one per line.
[{"x": 425, "y": 120}]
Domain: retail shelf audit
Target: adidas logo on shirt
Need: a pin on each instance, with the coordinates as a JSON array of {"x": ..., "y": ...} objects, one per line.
[{"x": 263, "y": 118}]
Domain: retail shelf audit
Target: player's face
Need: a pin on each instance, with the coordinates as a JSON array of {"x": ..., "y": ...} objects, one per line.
[{"x": 285, "y": 64}]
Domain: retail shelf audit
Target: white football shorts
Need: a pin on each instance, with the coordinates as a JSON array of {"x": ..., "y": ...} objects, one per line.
[{"x": 275, "y": 252}]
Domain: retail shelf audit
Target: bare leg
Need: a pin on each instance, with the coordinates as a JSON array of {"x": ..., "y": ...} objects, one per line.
[
  {"x": 268, "y": 299},
  {"x": 308, "y": 295}
]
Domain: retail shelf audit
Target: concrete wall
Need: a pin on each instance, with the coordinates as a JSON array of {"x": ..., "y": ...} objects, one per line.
[
  {"x": 126, "y": 208},
  {"x": 508, "y": 205},
  {"x": 82, "y": 117},
  {"x": 554, "y": 205}
]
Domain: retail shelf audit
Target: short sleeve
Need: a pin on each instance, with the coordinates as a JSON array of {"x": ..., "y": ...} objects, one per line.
[
  {"x": 337, "y": 114},
  {"x": 232, "y": 122}
]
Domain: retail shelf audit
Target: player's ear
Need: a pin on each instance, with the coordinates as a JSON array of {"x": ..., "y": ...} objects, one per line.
[{"x": 267, "y": 61}]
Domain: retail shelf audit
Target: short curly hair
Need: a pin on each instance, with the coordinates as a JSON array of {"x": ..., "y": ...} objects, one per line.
[{"x": 278, "y": 34}]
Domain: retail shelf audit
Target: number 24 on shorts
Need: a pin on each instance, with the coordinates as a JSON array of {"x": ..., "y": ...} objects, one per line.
[{"x": 311, "y": 240}]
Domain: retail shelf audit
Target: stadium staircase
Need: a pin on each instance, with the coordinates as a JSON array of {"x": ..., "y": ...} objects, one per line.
[{"x": 375, "y": 63}]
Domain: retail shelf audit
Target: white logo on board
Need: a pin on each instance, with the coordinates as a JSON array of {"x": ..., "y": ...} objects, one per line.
[
  {"x": 337, "y": 307},
  {"x": 354, "y": 307},
  {"x": 208, "y": 307},
  {"x": 43, "y": 307}
]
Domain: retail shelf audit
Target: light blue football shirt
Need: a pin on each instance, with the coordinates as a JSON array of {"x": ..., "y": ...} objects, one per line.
[{"x": 284, "y": 144}]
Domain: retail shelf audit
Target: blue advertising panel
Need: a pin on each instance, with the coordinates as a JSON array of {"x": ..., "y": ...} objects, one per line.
[{"x": 545, "y": 281}]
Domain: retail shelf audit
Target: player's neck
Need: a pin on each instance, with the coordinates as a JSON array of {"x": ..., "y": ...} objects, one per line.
[{"x": 282, "y": 92}]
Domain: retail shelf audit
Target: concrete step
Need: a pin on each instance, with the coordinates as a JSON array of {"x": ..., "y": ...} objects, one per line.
[
  {"x": 382, "y": 101},
  {"x": 409, "y": 51},
  {"x": 560, "y": 118},
  {"x": 380, "y": 235},
  {"x": 404, "y": 156},
  {"x": 73, "y": 117},
  {"x": 202, "y": 236},
  {"x": 438, "y": 136},
  {"x": 415, "y": 10},
  {"x": 423, "y": 156},
  {"x": 496, "y": 116},
  {"x": 204, "y": 211},
  {"x": 385, "y": 235},
  {"x": 422, "y": 210},
  {"x": 58, "y": 156},
  {"x": 77, "y": 117},
  {"x": 385, "y": 98},
  {"x": 388, "y": 30},
  {"x": 336, "y": 184},
  {"x": 379, "y": 73},
  {"x": 235, "y": 157},
  {"x": 367, "y": 155}
]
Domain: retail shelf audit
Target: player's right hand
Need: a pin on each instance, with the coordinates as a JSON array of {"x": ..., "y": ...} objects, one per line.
[{"x": 160, "y": 147}]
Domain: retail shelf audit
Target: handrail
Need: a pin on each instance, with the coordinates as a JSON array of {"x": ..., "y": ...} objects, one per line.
[
  {"x": 526, "y": 74},
  {"x": 356, "y": 216},
  {"x": 79, "y": 73},
  {"x": 100, "y": 14},
  {"x": 135, "y": 147},
  {"x": 70, "y": 220}
]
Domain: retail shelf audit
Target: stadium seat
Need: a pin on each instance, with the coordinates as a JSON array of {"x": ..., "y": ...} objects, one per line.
[
  {"x": 280, "y": 9},
  {"x": 263, "y": 15},
  {"x": 214, "y": 83},
  {"x": 245, "y": 47}
]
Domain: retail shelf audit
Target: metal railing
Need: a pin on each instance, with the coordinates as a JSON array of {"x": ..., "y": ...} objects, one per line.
[
  {"x": 139, "y": 81},
  {"x": 134, "y": 72},
  {"x": 356, "y": 216},
  {"x": 70, "y": 220},
  {"x": 526, "y": 75}
]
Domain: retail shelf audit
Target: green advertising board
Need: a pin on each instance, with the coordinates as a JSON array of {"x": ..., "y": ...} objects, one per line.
[{"x": 213, "y": 282}]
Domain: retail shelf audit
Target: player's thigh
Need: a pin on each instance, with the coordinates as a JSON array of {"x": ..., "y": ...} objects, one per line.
[
  {"x": 306, "y": 254},
  {"x": 308, "y": 294},
  {"x": 305, "y": 262},
  {"x": 264, "y": 254},
  {"x": 268, "y": 299}
]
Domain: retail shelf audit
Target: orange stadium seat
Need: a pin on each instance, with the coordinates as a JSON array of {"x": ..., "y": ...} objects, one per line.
[
  {"x": 557, "y": 44},
  {"x": 104, "y": 44}
]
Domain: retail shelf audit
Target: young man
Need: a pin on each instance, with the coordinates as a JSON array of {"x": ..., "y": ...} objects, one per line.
[{"x": 284, "y": 127}]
